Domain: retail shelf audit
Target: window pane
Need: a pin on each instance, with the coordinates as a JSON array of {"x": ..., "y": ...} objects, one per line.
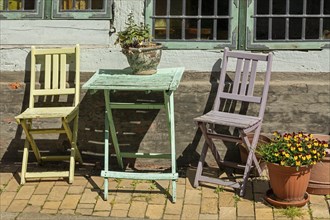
[
  {"x": 207, "y": 29},
  {"x": 160, "y": 28},
  {"x": 176, "y": 7},
  {"x": 326, "y": 7},
  {"x": 160, "y": 7},
  {"x": 326, "y": 28},
  {"x": 279, "y": 6},
  {"x": 81, "y": 4},
  {"x": 208, "y": 7},
  {"x": 192, "y": 7},
  {"x": 191, "y": 29},
  {"x": 262, "y": 29},
  {"x": 14, "y": 5},
  {"x": 312, "y": 28},
  {"x": 97, "y": 4},
  {"x": 223, "y": 6},
  {"x": 313, "y": 6},
  {"x": 278, "y": 31},
  {"x": 296, "y": 7},
  {"x": 295, "y": 25},
  {"x": 262, "y": 7},
  {"x": 175, "y": 28},
  {"x": 222, "y": 29}
]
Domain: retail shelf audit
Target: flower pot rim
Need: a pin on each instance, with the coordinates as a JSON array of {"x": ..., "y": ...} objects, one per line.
[{"x": 155, "y": 46}]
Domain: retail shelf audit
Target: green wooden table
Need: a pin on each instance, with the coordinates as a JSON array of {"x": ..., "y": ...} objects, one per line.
[{"x": 166, "y": 81}]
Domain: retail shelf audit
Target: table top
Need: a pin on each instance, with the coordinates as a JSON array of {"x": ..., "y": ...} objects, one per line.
[{"x": 116, "y": 79}]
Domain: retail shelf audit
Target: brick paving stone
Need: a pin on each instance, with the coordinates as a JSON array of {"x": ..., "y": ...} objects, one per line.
[
  {"x": 57, "y": 193},
  {"x": 76, "y": 189},
  {"x": 66, "y": 211},
  {"x": 52, "y": 205},
  {"x": 12, "y": 185},
  {"x": 193, "y": 196},
  {"x": 158, "y": 199},
  {"x": 260, "y": 186},
  {"x": 190, "y": 176},
  {"x": 8, "y": 215},
  {"x": 320, "y": 211},
  {"x": 102, "y": 205},
  {"x": 226, "y": 199},
  {"x": 32, "y": 209},
  {"x": 208, "y": 216},
  {"x": 181, "y": 181},
  {"x": 245, "y": 218},
  {"x": 209, "y": 205},
  {"x": 174, "y": 208},
  {"x": 316, "y": 199},
  {"x": 80, "y": 181},
  {"x": 17, "y": 206},
  {"x": 171, "y": 217},
  {"x": 37, "y": 200},
  {"x": 120, "y": 206},
  {"x": 5, "y": 178},
  {"x": 227, "y": 213},
  {"x": 102, "y": 213},
  {"x": 119, "y": 213},
  {"x": 6, "y": 198},
  {"x": 3, "y": 208},
  {"x": 84, "y": 211},
  {"x": 70, "y": 202},
  {"x": 25, "y": 192},
  {"x": 180, "y": 191},
  {"x": 155, "y": 211},
  {"x": 123, "y": 197},
  {"x": 44, "y": 188},
  {"x": 190, "y": 211},
  {"x": 96, "y": 181},
  {"x": 209, "y": 192},
  {"x": 49, "y": 211},
  {"x": 264, "y": 213},
  {"x": 85, "y": 206},
  {"x": 137, "y": 209},
  {"x": 259, "y": 201},
  {"x": 62, "y": 182},
  {"x": 125, "y": 184},
  {"x": 245, "y": 208},
  {"x": 164, "y": 184},
  {"x": 89, "y": 196}
]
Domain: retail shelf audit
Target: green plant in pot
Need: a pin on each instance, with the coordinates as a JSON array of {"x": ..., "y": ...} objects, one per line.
[
  {"x": 290, "y": 157},
  {"x": 143, "y": 55}
]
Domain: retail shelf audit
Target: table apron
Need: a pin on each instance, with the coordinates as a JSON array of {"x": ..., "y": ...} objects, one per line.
[
  {"x": 142, "y": 176},
  {"x": 114, "y": 105}
]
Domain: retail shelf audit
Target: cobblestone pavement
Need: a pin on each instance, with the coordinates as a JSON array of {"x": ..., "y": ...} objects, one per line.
[{"x": 129, "y": 199}]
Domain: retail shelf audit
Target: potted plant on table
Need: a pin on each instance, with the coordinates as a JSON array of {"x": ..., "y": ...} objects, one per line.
[
  {"x": 289, "y": 158},
  {"x": 143, "y": 55}
]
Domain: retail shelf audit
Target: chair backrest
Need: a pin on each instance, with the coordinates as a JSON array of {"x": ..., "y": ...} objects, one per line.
[
  {"x": 56, "y": 65},
  {"x": 243, "y": 82}
]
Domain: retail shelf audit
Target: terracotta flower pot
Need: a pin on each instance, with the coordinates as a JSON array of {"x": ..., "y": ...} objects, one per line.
[
  {"x": 287, "y": 183},
  {"x": 319, "y": 182}
]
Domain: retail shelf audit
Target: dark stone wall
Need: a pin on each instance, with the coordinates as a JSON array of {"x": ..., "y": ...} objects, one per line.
[{"x": 297, "y": 102}]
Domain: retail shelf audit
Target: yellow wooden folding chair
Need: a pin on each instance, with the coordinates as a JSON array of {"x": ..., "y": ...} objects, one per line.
[{"x": 57, "y": 83}]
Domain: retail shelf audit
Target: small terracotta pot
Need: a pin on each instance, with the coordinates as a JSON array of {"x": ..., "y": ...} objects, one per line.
[
  {"x": 319, "y": 182},
  {"x": 287, "y": 183}
]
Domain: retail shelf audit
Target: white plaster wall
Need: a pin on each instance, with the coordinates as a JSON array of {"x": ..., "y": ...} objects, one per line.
[{"x": 98, "y": 49}]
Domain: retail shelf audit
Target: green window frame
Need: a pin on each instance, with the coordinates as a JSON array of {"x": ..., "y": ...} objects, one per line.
[
  {"x": 198, "y": 43},
  {"x": 285, "y": 25},
  {"x": 51, "y": 9}
]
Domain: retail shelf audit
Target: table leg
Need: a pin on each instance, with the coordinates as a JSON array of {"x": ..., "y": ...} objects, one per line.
[
  {"x": 106, "y": 154},
  {"x": 169, "y": 107},
  {"x": 112, "y": 128}
]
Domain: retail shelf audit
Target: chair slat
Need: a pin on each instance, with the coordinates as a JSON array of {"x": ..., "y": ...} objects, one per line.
[
  {"x": 252, "y": 77},
  {"x": 48, "y": 66},
  {"x": 250, "y": 56},
  {"x": 243, "y": 98},
  {"x": 55, "y": 51},
  {"x": 245, "y": 77},
  {"x": 63, "y": 71},
  {"x": 238, "y": 73},
  {"x": 66, "y": 91},
  {"x": 55, "y": 71}
]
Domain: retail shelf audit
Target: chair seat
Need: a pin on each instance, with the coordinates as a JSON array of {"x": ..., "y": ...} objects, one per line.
[
  {"x": 51, "y": 112},
  {"x": 228, "y": 119}
]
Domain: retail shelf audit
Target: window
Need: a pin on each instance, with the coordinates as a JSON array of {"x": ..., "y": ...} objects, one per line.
[
  {"x": 241, "y": 24},
  {"x": 194, "y": 23},
  {"x": 288, "y": 24},
  {"x": 55, "y": 9}
]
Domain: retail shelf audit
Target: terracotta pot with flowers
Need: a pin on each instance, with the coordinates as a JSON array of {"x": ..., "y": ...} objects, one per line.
[{"x": 290, "y": 157}]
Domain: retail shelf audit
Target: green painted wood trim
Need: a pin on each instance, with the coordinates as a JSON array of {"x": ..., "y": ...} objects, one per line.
[
  {"x": 48, "y": 9},
  {"x": 140, "y": 176},
  {"x": 242, "y": 5}
]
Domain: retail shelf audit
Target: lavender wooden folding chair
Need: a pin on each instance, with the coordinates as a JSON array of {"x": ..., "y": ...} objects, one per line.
[{"x": 240, "y": 90}]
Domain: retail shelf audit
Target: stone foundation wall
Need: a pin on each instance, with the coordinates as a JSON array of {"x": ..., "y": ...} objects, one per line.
[{"x": 296, "y": 102}]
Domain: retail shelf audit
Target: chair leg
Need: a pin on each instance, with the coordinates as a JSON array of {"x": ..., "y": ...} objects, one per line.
[
  {"x": 30, "y": 139},
  {"x": 200, "y": 165},
  {"x": 25, "y": 161}
]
